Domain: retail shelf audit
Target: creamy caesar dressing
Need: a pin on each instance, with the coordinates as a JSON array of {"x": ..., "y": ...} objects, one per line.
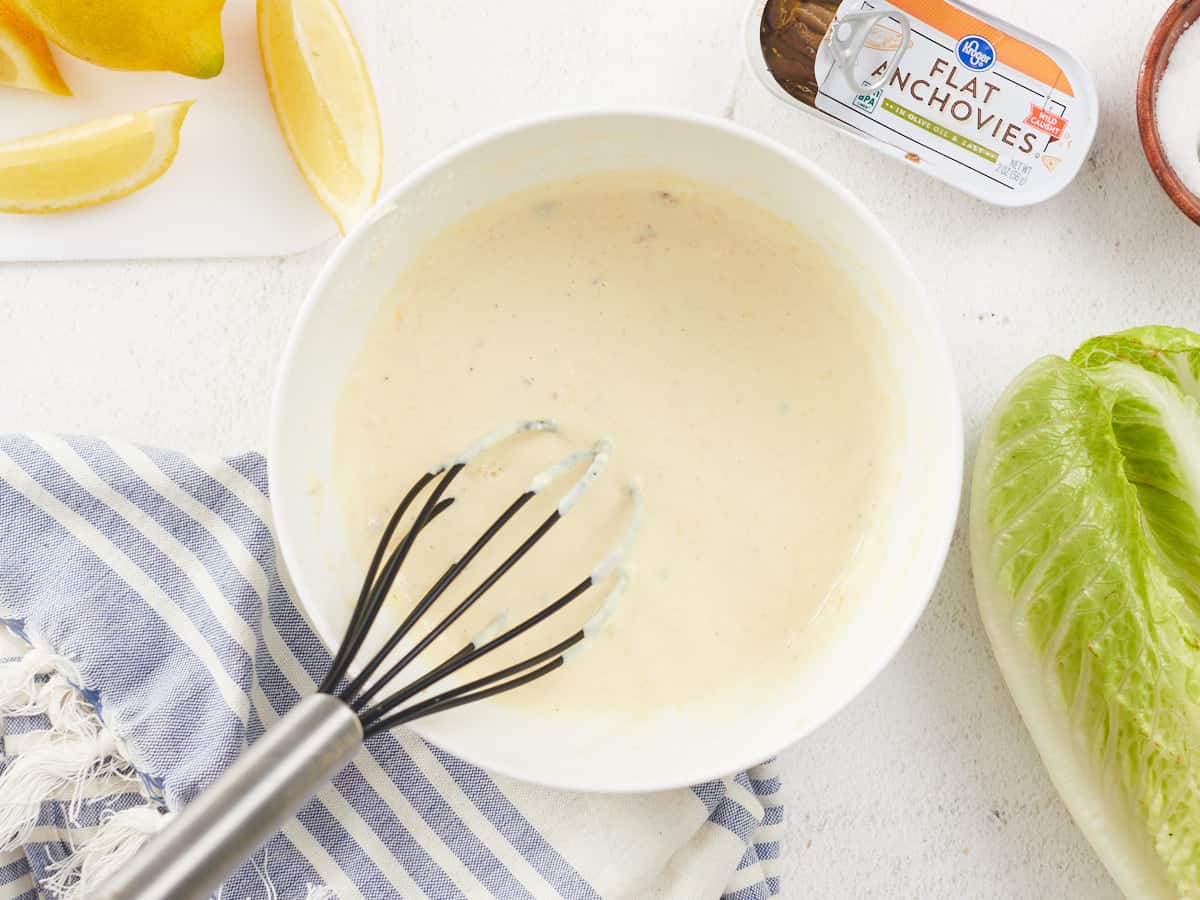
[{"x": 740, "y": 375}]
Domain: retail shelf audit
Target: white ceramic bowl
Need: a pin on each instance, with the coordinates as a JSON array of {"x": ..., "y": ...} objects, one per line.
[{"x": 669, "y": 750}]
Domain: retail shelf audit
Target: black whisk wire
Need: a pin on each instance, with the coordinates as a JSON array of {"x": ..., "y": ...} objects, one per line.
[
  {"x": 478, "y": 648},
  {"x": 455, "y": 614},
  {"x": 468, "y": 693},
  {"x": 423, "y": 606},
  {"x": 374, "y": 590},
  {"x": 362, "y": 692}
]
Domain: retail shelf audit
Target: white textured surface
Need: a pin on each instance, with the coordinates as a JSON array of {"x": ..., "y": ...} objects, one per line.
[{"x": 927, "y": 786}]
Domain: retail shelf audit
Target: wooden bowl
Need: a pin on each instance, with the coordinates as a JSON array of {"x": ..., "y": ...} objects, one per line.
[{"x": 1174, "y": 22}]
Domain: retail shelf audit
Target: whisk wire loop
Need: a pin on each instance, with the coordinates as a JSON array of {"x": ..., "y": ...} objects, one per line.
[
  {"x": 340, "y": 661},
  {"x": 375, "y": 591},
  {"x": 362, "y": 692},
  {"x": 421, "y": 608},
  {"x": 472, "y": 652},
  {"x": 461, "y": 696}
]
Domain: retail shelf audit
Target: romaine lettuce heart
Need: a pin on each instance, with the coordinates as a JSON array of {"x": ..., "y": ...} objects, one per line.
[{"x": 1085, "y": 539}]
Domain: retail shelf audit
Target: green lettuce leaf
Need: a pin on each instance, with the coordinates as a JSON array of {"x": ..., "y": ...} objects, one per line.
[
  {"x": 1085, "y": 541},
  {"x": 1173, "y": 353},
  {"x": 1149, "y": 375}
]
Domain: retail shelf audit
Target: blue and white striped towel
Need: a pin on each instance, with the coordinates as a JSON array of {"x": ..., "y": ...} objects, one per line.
[{"x": 146, "y": 588}]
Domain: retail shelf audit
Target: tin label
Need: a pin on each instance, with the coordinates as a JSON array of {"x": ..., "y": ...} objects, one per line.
[{"x": 985, "y": 108}]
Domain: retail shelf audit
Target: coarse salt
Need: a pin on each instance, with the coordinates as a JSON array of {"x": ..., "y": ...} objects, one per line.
[{"x": 1178, "y": 113}]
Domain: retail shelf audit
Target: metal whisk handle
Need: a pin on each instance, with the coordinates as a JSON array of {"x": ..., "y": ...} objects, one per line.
[{"x": 246, "y": 806}]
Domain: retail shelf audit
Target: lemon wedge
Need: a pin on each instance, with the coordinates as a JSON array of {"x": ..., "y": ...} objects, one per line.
[
  {"x": 25, "y": 58},
  {"x": 90, "y": 163},
  {"x": 324, "y": 101},
  {"x": 181, "y": 36}
]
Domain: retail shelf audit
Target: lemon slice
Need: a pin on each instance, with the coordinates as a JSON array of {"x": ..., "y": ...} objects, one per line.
[
  {"x": 25, "y": 58},
  {"x": 90, "y": 163},
  {"x": 324, "y": 101}
]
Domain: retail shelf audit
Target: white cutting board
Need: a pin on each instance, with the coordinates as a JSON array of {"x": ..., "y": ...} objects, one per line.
[{"x": 233, "y": 190}]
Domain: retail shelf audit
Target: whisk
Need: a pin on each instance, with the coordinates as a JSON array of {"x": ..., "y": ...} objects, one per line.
[{"x": 308, "y": 746}]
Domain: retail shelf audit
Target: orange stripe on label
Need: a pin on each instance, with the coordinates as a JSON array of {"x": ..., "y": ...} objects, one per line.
[{"x": 1013, "y": 52}]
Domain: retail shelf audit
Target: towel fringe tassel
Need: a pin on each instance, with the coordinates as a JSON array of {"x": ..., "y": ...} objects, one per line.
[
  {"x": 72, "y": 755},
  {"x": 23, "y": 685},
  {"x": 76, "y": 750},
  {"x": 68, "y": 758},
  {"x": 119, "y": 838}
]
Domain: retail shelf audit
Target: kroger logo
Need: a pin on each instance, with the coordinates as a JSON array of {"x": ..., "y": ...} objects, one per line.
[{"x": 976, "y": 53}]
